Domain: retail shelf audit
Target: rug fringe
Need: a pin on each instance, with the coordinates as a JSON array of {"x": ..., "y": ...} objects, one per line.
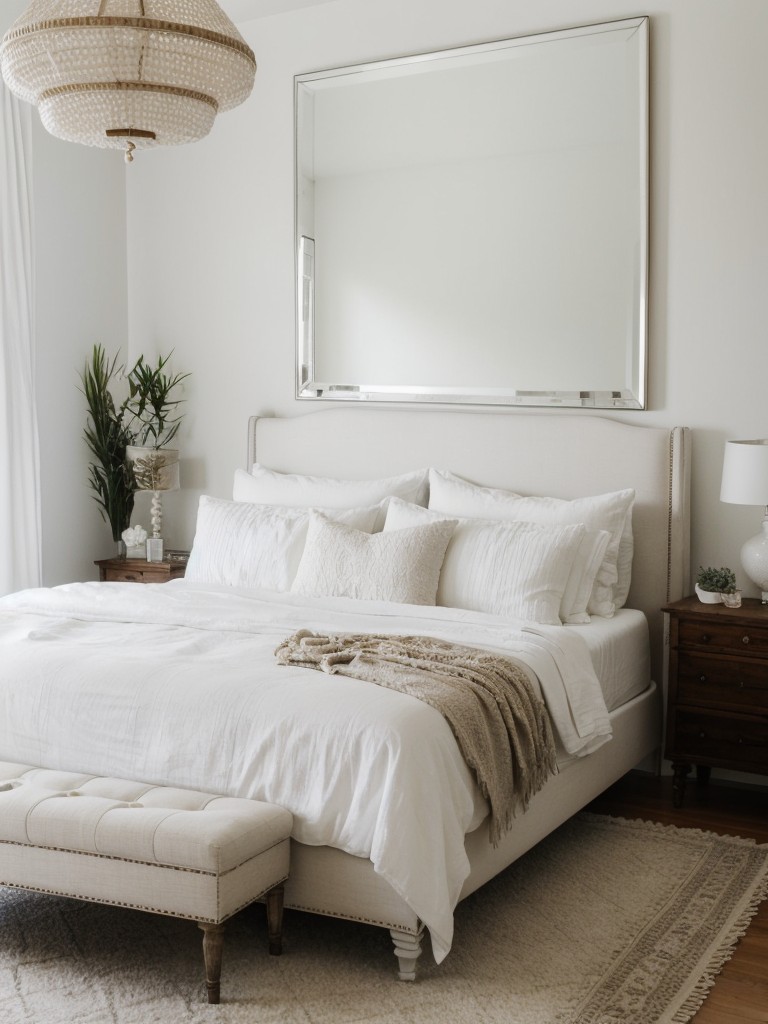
[
  {"x": 729, "y": 943},
  {"x": 721, "y": 955}
]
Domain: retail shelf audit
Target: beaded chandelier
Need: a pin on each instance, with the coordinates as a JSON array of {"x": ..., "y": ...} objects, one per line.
[{"x": 127, "y": 74}]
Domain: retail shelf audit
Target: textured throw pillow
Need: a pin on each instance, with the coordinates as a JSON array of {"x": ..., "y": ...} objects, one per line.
[
  {"x": 268, "y": 487},
  {"x": 401, "y": 566},
  {"x": 611, "y": 512},
  {"x": 240, "y": 544}
]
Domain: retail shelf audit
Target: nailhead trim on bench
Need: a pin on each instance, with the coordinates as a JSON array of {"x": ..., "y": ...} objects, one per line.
[{"x": 259, "y": 871}]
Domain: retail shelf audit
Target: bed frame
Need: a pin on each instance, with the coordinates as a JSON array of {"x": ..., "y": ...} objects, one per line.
[{"x": 565, "y": 456}]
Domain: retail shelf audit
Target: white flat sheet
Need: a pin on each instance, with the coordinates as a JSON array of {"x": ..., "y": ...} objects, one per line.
[
  {"x": 620, "y": 651},
  {"x": 177, "y": 684}
]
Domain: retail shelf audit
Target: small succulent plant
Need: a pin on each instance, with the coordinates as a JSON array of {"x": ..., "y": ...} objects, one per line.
[{"x": 716, "y": 581}]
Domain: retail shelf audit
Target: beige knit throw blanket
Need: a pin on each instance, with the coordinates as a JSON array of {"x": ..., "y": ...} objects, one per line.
[{"x": 501, "y": 725}]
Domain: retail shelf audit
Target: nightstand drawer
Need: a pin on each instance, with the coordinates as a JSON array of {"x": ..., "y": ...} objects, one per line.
[
  {"x": 736, "y": 741},
  {"x": 124, "y": 576},
  {"x": 137, "y": 570},
  {"x": 738, "y": 683},
  {"x": 724, "y": 636},
  {"x": 717, "y": 711},
  {"x": 136, "y": 576}
]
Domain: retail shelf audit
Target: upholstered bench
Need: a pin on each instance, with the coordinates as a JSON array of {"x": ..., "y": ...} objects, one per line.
[{"x": 154, "y": 848}]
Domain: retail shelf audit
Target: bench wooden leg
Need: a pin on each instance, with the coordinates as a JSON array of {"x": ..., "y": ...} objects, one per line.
[
  {"x": 275, "y": 919},
  {"x": 213, "y": 941}
]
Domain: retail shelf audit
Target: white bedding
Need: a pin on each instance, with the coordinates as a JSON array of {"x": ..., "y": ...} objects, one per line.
[
  {"x": 177, "y": 684},
  {"x": 621, "y": 655}
]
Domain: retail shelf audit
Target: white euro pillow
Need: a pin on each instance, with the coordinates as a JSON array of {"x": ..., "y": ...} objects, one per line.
[
  {"x": 611, "y": 512},
  {"x": 241, "y": 544},
  {"x": 519, "y": 570},
  {"x": 401, "y": 566},
  {"x": 269, "y": 487}
]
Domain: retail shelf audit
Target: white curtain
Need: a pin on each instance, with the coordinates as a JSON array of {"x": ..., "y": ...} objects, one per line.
[{"x": 20, "y": 519}]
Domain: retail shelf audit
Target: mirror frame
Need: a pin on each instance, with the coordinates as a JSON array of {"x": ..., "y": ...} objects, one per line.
[{"x": 631, "y": 394}]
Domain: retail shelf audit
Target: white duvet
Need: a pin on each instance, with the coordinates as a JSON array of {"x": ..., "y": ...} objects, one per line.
[{"x": 177, "y": 684}]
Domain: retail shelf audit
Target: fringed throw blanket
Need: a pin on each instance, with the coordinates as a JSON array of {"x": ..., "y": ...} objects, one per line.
[{"x": 501, "y": 725}]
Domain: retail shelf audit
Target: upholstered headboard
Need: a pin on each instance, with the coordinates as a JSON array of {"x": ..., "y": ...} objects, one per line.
[{"x": 565, "y": 456}]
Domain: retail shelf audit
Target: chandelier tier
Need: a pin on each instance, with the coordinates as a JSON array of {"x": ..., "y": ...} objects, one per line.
[{"x": 127, "y": 74}]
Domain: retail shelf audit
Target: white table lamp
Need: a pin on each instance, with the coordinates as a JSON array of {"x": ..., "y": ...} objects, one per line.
[{"x": 745, "y": 482}]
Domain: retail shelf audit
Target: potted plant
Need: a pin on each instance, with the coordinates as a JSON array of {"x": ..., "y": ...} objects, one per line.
[
  {"x": 712, "y": 584},
  {"x": 127, "y": 440},
  {"x": 153, "y": 405},
  {"x": 107, "y": 436}
]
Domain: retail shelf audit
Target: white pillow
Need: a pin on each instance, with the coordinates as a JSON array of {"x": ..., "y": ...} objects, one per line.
[
  {"x": 581, "y": 582},
  {"x": 240, "y": 544},
  {"x": 268, "y": 487},
  {"x": 402, "y": 566},
  {"x": 402, "y": 514},
  {"x": 612, "y": 512},
  {"x": 517, "y": 569},
  {"x": 589, "y": 555},
  {"x": 624, "y": 562}
]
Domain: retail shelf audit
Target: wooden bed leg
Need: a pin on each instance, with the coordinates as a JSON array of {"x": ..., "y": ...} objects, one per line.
[
  {"x": 213, "y": 940},
  {"x": 407, "y": 951},
  {"x": 275, "y": 919}
]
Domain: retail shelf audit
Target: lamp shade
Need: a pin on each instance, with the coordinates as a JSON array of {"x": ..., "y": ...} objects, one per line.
[
  {"x": 154, "y": 469},
  {"x": 127, "y": 73},
  {"x": 745, "y": 473}
]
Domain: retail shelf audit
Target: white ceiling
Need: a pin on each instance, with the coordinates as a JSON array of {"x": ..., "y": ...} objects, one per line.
[{"x": 243, "y": 10}]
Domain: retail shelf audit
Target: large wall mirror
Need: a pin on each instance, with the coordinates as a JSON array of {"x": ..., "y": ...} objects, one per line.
[{"x": 471, "y": 225}]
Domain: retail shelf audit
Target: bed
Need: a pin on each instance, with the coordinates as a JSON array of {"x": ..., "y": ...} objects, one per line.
[{"x": 64, "y": 706}]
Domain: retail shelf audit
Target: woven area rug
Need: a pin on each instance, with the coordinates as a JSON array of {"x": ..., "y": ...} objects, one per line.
[{"x": 606, "y": 921}]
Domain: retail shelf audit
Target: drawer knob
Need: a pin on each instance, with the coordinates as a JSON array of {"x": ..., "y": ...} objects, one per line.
[
  {"x": 705, "y": 638},
  {"x": 703, "y": 736},
  {"x": 702, "y": 678},
  {"x": 745, "y": 639}
]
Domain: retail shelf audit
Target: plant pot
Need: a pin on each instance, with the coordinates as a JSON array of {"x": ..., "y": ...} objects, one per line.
[{"x": 708, "y": 596}]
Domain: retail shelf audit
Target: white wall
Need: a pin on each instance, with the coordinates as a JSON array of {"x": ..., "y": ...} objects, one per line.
[
  {"x": 80, "y": 286},
  {"x": 210, "y": 252},
  {"x": 78, "y": 199}
]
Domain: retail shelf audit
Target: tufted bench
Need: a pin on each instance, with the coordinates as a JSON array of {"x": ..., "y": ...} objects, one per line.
[{"x": 154, "y": 848}]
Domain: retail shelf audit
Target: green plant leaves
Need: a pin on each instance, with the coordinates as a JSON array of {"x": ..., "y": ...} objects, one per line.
[
  {"x": 716, "y": 581},
  {"x": 106, "y": 435},
  {"x": 148, "y": 416},
  {"x": 151, "y": 402}
]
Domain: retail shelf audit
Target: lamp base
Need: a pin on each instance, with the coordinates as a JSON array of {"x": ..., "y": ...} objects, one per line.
[
  {"x": 156, "y": 512},
  {"x": 754, "y": 559},
  {"x": 154, "y": 549}
]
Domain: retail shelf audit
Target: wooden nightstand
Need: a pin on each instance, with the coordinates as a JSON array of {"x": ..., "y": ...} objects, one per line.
[
  {"x": 136, "y": 570},
  {"x": 717, "y": 707}
]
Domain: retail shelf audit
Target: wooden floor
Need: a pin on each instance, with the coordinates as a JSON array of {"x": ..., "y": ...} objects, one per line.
[{"x": 740, "y": 994}]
